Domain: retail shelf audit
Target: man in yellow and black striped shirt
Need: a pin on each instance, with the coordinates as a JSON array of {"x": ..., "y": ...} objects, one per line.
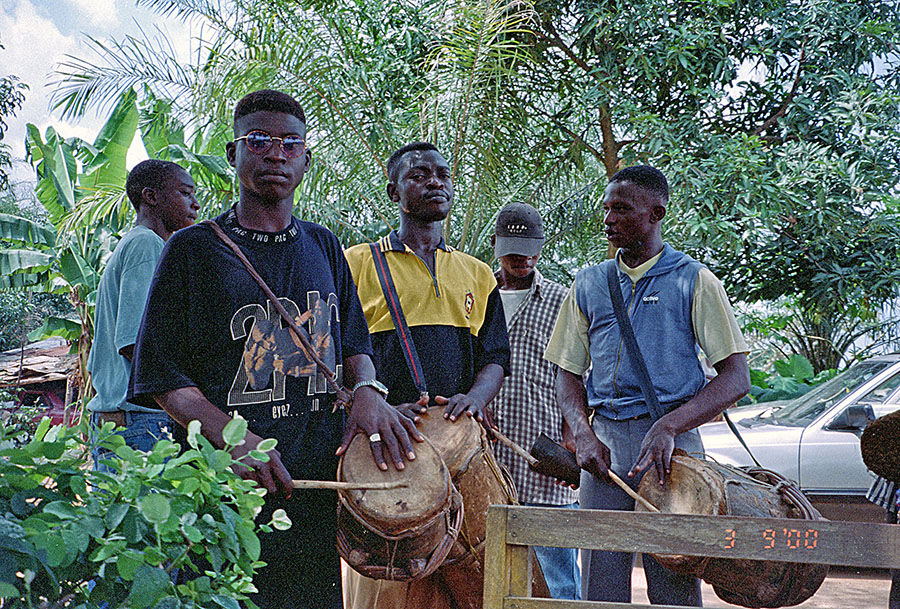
[
  {"x": 452, "y": 306},
  {"x": 450, "y": 299}
]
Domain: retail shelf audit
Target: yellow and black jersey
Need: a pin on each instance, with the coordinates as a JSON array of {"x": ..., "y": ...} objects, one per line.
[{"x": 455, "y": 317}]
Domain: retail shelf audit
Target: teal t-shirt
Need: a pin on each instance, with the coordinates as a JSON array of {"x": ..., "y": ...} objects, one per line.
[{"x": 120, "y": 305}]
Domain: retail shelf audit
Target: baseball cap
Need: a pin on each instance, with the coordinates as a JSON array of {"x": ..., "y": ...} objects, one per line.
[{"x": 519, "y": 230}]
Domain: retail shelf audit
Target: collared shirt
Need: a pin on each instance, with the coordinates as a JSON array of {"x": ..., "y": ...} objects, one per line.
[
  {"x": 454, "y": 316},
  {"x": 526, "y": 404},
  {"x": 714, "y": 325},
  {"x": 883, "y": 493}
]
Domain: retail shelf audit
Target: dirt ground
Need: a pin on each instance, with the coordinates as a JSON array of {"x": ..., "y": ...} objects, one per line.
[{"x": 842, "y": 589}]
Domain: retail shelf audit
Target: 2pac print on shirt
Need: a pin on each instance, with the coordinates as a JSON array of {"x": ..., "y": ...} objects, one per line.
[{"x": 272, "y": 352}]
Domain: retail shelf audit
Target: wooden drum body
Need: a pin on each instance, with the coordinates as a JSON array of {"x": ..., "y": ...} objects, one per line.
[
  {"x": 709, "y": 488},
  {"x": 481, "y": 481},
  {"x": 399, "y": 534},
  {"x": 880, "y": 446}
]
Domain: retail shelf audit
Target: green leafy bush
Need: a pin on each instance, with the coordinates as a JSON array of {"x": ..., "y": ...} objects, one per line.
[
  {"x": 791, "y": 378},
  {"x": 75, "y": 537}
]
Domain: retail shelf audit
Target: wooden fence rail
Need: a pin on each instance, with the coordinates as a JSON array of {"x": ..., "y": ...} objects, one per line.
[{"x": 513, "y": 530}]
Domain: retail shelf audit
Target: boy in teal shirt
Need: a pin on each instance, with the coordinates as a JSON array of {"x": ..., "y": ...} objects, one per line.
[{"x": 162, "y": 194}]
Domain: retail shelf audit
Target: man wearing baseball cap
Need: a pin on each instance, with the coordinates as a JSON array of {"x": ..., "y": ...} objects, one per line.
[{"x": 526, "y": 404}]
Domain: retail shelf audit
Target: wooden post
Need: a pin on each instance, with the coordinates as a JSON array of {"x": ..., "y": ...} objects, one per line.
[
  {"x": 513, "y": 530},
  {"x": 519, "y": 560},
  {"x": 496, "y": 561}
]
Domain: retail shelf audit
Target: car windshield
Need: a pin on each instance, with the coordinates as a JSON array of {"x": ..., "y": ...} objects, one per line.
[{"x": 802, "y": 411}]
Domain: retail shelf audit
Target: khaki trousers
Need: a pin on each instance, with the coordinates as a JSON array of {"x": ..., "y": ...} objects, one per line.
[{"x": 364, "y": 593}]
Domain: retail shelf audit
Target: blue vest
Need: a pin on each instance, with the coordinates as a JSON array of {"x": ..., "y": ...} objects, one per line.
[{"x": 659, "y": 307}]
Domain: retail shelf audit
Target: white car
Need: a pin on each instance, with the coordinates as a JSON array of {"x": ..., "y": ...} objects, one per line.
[{"x": 814, "y": 439}]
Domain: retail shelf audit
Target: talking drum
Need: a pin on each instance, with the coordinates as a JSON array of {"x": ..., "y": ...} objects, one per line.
[
  {"x": 709, "y": 488},
  {"x": 400, "y": 534},
  {"x": 482, "y": 481}
]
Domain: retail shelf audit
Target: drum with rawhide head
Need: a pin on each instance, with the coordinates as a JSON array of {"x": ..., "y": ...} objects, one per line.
[
  {"x": 709, "y": 488},
  {"x": 481, "y": 481},
  {"x": 400, "y": 534}
]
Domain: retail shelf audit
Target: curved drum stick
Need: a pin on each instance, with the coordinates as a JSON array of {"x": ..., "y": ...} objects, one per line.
[{"x": 612, "y": 475}]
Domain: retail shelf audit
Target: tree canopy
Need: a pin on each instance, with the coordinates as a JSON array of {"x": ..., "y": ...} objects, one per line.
[
  {"x": 11, "y": 98},
  {"x": 776, "y": 122}
]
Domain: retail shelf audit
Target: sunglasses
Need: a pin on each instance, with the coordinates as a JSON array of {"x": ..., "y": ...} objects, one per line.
[{"x": 259, "y": 142}]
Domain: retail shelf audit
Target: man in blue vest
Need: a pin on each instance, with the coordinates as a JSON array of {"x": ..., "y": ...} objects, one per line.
[{"x": 677, "y": 308}]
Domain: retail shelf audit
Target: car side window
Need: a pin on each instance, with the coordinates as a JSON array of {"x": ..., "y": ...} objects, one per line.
[{"x": 878, "y": 396}]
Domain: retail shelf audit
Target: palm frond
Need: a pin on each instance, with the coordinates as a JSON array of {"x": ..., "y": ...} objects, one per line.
[
  {"x": 100, "y": 206},
  {"x": 131, "y": 63},
  {"x": 213, "y": 10}
]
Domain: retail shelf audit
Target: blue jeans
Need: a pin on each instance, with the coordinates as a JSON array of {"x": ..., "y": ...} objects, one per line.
[
  {"x": 560, "y": 565},
  {"x": 142, "y": 431},
  {"x": 894, "y": 595}
]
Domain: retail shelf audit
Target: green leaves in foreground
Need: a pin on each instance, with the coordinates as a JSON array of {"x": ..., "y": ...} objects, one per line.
[{"x": 128, "y": 529}]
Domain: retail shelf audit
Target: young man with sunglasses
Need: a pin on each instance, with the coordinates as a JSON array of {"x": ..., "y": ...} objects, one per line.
[{"x": 213, "y": 346}]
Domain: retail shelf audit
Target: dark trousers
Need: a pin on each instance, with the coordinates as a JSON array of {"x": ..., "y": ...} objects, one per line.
[{"x": 894, "y": 596}]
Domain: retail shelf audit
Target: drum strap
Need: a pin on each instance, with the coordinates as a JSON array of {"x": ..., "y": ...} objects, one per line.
[
  {"x": 393, "y": 304},
  {"x": 631, "y": 345},
  {"x": 737, "y": 434}
]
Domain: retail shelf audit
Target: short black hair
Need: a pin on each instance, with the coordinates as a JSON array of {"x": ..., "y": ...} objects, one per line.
[
  {"x": 644, "y": 176},
  {"x": 393, "y": 163},
  {"x": 268, "y": 100},
  {"x": 151, "y": 173}
]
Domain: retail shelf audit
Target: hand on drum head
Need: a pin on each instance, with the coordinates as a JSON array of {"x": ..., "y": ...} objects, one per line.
[
  {"x": 466, "y": 403},
  {"x": 271, "y": 475},
  {"x": 385, "y": 427},
  {"x": 412, "y": 410},
  {"x": 656, "y": 448}
]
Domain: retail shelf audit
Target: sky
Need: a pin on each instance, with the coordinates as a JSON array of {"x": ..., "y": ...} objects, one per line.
[{"x": 38, "y": 34}]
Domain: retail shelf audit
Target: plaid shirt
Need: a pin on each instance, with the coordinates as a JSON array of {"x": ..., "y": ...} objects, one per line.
[{"x": 526, "y": 404}]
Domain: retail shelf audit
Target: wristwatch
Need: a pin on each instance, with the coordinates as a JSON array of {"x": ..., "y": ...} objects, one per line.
[{"x": 374, "y": 384}]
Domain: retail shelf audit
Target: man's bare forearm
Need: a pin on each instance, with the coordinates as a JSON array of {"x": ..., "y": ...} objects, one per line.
[
  {"x": 572, "y": 399},
  {"x": 187, "y": 404},
  {"x": 731, "y": 384},
  {"x": 487, "y": 384},
  {"x": 358, "y": 368}
]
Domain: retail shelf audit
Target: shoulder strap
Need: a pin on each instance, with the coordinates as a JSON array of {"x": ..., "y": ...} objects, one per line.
[
  {"x": 738, "y": 435},
  {"x": 308, "y": 350},
  {"x": 631, "y": 345},
  {"x": 393, "y": 303}
]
